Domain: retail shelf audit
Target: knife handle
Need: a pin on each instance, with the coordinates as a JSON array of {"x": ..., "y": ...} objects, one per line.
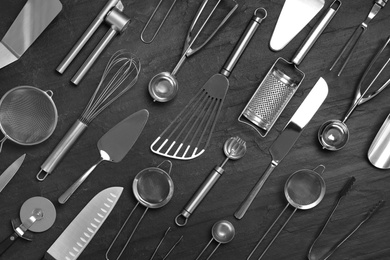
[
  {"x": 239, "y": 214},
  {"x": 6, "y": 243}
]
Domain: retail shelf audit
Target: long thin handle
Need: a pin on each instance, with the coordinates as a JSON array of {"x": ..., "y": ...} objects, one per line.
[
  {"x": 66, "y": 195},
  {"x": 61, "y": 149},
  {"x": 6, "y": 243},
  {"x": 316, "y": 32},
  {"x": 239, "y": 214},
  {"x": 259, "y": 15},
  {"x": 86, "y": 36},
  {"x": 197, "y": 198}
]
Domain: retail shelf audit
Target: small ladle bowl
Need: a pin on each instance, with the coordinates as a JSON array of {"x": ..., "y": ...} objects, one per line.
[
  {"x": 333, "y": 135},
  {"x": 304, "y": 189},
  {"x": 163, "y": 87},
  {"x": 223, "y": 232}
]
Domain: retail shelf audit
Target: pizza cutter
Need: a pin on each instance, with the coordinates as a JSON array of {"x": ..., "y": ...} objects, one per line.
[{"x": 37, "y": 214}]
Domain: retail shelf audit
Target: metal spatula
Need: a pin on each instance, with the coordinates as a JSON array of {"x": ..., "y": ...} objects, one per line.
[{"x": 32, "y": 20}]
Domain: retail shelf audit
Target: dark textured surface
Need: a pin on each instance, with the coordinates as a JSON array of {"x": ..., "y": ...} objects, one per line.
[{"x": 37, "y": 68}]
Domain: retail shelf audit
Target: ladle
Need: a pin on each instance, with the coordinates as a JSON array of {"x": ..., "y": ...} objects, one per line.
[
  {"x": 304, "y": 190},
  {"x": 153, "y": 188},
  {"x": 234, "y": 149},
  {"x": 223, "y": 232},
  {"x": 334, "y": 134},
  {"x": 164, "y": 86}
]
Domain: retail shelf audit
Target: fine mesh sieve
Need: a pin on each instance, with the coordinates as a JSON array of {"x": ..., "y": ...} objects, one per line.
[{"x": 28, "y": 115}]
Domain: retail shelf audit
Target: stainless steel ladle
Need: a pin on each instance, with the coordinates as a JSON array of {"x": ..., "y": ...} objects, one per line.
[
  {"x": 234, "y": 149},
  {"x": 223, "y": 232},
  {"x": 304, "y": 189},
  {"x": 164, "y": 86},
  {"x": 334, "y": 134}
]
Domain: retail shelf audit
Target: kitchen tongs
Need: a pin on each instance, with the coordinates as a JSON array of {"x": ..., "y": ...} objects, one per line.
[
  {"x": 353, "y": 40},
  {"x": 318, "y": 253}
]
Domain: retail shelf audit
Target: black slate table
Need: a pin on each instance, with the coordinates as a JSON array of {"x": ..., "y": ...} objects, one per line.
[{"x": 37, "y": 68}]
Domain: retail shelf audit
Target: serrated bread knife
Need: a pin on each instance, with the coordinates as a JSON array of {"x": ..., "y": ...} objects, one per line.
[{"x": 75, "y": 238}]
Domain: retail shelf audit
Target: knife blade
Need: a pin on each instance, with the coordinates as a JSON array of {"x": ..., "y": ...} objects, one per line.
[
  {"x": 113, "y": 145},
  {"x": 32, "y": 20},
  {"x": 76, "y": 237},
  {"x": 7, "y": 175},
  {"x": 286, "y": 140}
]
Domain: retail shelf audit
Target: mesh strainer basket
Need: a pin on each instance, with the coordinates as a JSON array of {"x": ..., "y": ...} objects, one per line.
[{"x": 28, "y": 115}]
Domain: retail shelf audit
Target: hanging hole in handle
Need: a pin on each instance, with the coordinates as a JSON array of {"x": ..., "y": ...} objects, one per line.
[
  {"x": 260, "y": 13},
  {"x": 319, "y": 169},
  {"x": 49, "y": 93},
  {"x": 181, "y": 220},
  {"x": 39, "y": 178},
  {"x": 170, "y": 166}
]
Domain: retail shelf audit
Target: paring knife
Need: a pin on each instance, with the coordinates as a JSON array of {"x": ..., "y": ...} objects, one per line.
[
  {"x": 7, "y": 175},
  {"x": 286, "y": 140},
  {"x": 75, "y": 238},
  {"x": 114, "y": 145},
  {"x": 32, "y": 20}
]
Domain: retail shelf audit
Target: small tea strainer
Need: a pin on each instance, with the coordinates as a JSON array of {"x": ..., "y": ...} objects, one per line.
[{"x": 28, "y": 115}]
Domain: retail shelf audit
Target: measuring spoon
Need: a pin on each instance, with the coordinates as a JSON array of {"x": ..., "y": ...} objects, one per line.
[
  {"x": 234, "y": 149},
  {"x": 223, "y": 232},
  {"x": 334, "y": 134}
]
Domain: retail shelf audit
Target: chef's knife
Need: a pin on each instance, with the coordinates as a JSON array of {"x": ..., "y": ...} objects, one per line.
[
  {"x": 290, "y": 134},
  {"x": 32, "y": 20},
  {"x": 114, "y": 145},
  {"x": 75, "y": 238},
  {"x": 7, "y": 175}
]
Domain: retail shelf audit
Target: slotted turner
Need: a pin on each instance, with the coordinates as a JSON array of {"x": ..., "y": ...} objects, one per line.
[{"x": 188, "y": 136}]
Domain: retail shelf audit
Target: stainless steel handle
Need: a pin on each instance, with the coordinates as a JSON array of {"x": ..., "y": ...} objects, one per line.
[
  {"x": 86, "y": 36},
  {"x": 239, "y": 214},
  {"x": 197, "y": 198},
  {"x": 259, "y": 15},
  {"x": 61, "y": 149},
  {"x": 316, "y": 32}
]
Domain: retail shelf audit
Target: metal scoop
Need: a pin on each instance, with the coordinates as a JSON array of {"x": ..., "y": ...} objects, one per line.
[
  {"x": 334, "y": 134},
  {"x": 379, "y": 152},
  {"x": 234, "y": 149},
  {"x": 164, "y": 86},
  {"x": 304, "y": 189},
  {"x": 223, "y": 232}
]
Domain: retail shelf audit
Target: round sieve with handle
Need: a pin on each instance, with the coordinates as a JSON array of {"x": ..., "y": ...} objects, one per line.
[{"x": 28, "y": 115}]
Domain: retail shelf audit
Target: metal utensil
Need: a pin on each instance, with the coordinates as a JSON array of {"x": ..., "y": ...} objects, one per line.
[
  {"x": 161, "y": 241},
  {"x": 113, "y": 146},
  {"x": 353, "y": 40},
  {"x": 343, "y": 192},
  {"x": 164, "y": 86},
  {"x": 159, "y": 26},
  {"x": 334, "y": 134},
  {"x": 379, "y": 152},
  {"x": 37, "y": 214},
  {"x": 368, "y": 215},
  {"x": 195, "y": 123},
  {"x": 9, "y": 173},
  {"x": 304, "y": 190},
  {"x": 223, "y": 232},
  {"x": 120, "y": 74},
  {"x": 32, "y": 20},
  {"x": 281, "y": 82},
  {"x": 290, "y": 134},
  {"x": 76, "y": 237},
  {"x": 295, "y": 15},
  {"x": 28, "y": 115},
  {"x": 118, "y": 22},
  {"x": 234, "y": 149},
  {"x": 153, "y": 188}
]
